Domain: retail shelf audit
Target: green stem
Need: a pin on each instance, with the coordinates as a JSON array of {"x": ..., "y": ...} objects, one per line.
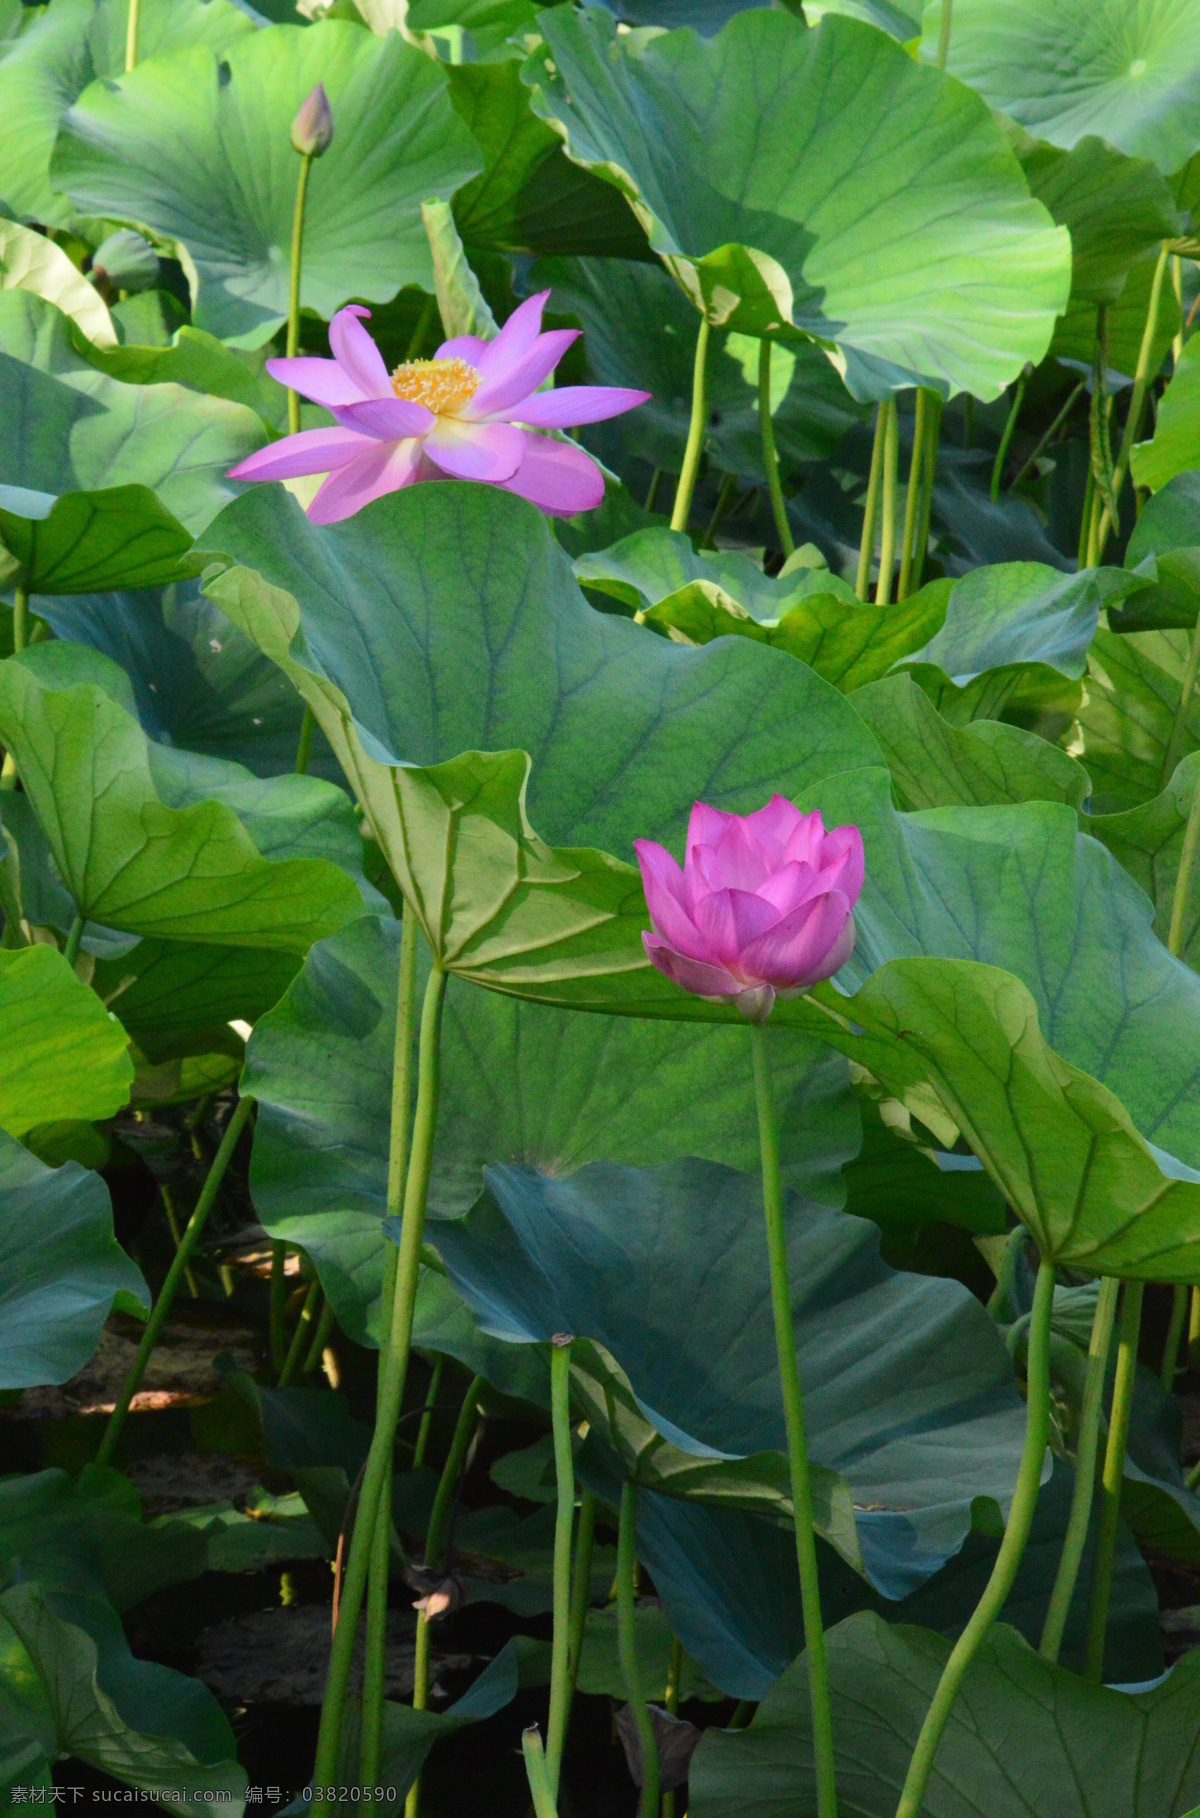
[
  {"x": 1177, "y": 287},
  {"x": 887, "y": 534},
  {"x": 379, "y": 1458},
  {"x": 913, "y": 499},
  {"x": 943, "y": 49},
  {"x": 564, "y": 1520},
  {"x": 1114, "y": 1471},
  {"x": 770, "y": 454},
  {"x": 379, "y": 1564},
  {"x": 627, "y": 1648},
  {"x": 1085, "y": 518},
  {"x": 652, "y": 489},
  {"x": 431, "y": 1395},
  {"x": 1045, "y": 440},
  {"x": 74, "y": 936},
  {"x": 1086, "y": 1451},
  {"x": 293, "y": 321},
  {"x": 793, "y": 1420},
  {"x": 176, "y": 1230},
  {"x": 581, "y": 1594},
  {"x": 308, "y": 726},
  {"x": 20, "y": 619},
  {"x": 279, "y": 1294},
  {"x": 131, "y": 37},
  {"x": 1187, "y": 688},
  {"x": 671, "y": 1701},
  {"x": 540, "y": 1792},
  {"x": 695, "y": 441},
  {"x": 1006, "y": 1275},
  {"x": 709, "y": 541},
  {"x": 866, "y": 547},
  {"x": 162, "y": 1306},
  {"x": 1008, "y": 1559},
  {"x": 1174, "y": 1341},
  {"x": 320, "y": 1338},
  {"x": 1010, "y": 429},
  {"x": 1141, "y": 380},
  {"x": 291, "y": 1362},
  {"x": 933, "y": 429}
]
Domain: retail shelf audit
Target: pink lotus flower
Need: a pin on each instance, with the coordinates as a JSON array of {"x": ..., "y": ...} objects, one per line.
[
  {"x": 762, "y": 907},
  {"x": 457, "y": 416}
]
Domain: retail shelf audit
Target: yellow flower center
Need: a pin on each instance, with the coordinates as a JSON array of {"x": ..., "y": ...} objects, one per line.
[{"x": 443, "y": 386}]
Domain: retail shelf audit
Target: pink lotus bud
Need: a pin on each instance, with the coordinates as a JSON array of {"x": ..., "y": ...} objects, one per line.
[
  {"x": 312, "y": 129},
  {"x": 763, "y": 906}
]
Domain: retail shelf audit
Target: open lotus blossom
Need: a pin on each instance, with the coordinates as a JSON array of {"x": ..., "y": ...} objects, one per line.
[
  {"x": 466, "y": 414},
  {"x": 763, "y": 906}
]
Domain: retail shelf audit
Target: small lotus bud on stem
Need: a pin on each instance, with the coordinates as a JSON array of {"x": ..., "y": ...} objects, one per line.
[{"x": 312, "y": 129}]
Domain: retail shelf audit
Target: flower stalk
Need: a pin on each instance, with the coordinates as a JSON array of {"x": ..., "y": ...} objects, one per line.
[
  {"x": 770, "y": 454},
  {"x": 1114, "y": 1471},
  {"x": 564, "y": 1521},
  {"x": 627, "y": 1649},
  {"x": 694, "y": 449}
]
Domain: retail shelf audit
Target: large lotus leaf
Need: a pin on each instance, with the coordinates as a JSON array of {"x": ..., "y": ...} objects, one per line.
[
  {"x": 577, "y": 1089},
  {"x": 1117, "y": 210},
  {"x": 168, "y": 146},
  {"x": 61, "y": 1268},
  {"x": 729, "y": 1584},
  {"x": 485, "y": 640},
  {"x": 937, "y": 765},
  {"x": 639, "y": 330},
  {"x": 176, "y": 999},
  {"x": 1148, "y": 840},
  {"x": 201, "y": 363},
  {"x": 902, "y": 1183},
  {"x": 449, "y": 618},
  {"x": 1127, "y": 716},
  {"x": 68, "y": 45},
  {"x": 914, "y": 246},
  {"x": 908, "y": 1390},
  {"x": 197, "y": 681},
  {"x": 1124, "y": 70},
  {"x": 129, "y": 860},
  {"x": 1075, "y": 331},
  {"x": 30, "y": 261},
  {"x": 1175, "y": 447},
  {"x": 63, "y": 1054},
  {"x": 103, "y": 484},
  {"x": 650, "y": 566},
  {"x": 53, "y": 1701},
  {"x": 530, "y": 198},
  {"x": 1041, "y": 1742},
  {"x": 1165, "y": 542},
  {"x": 1060, "y": 1146}
]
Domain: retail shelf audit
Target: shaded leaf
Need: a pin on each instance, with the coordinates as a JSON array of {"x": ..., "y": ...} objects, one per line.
[{"x": 62, "y": 1054}]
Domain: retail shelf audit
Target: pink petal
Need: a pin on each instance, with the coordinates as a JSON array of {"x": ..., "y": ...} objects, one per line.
[
  {"x": 662, "y": 881},
  {"x": 775, "y": 824},
  {"x": 737, "y": 861},
  {"x": 463, "y": 347},
  {"x": 557, "y": 477},
  {"x": 515, "y": 338},
  {"x": 502, "y": 390},
  {"x": 475, "y": 451},
  {"x": 357, "y": 354},
  {"x": 387, "y": 419},
  {"x": 843, "y": 862},
  {"x": 690, "y": 974},
  {"x": 311, "y": 451},
  {"x": 806, "y": 838},
  {"x": 792, "y": 885},
  {"x": 730, "y": 920},
  {"x": 705, "y": 828},
  {"x": 803, "y": 947},
  {"x": 323, "y": 381},
  {"x": 383, "y": 467},
  {"x": 571, "y": 405}
]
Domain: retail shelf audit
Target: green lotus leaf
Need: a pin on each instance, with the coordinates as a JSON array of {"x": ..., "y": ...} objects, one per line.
[
  {"x": 109, "y": 482},
  {"x": 129, "y": 860},
  {"x": 200, "y": 363},
  {"x": 821, "y": 227},
  {"x": 902, "y": 1183},
  {"x": 1148, "y": 840},
  {"x": 1127, "y": 718},
  {"x": 1124, "y": 71},
  {"x": 1041, "y": 1740},
  {"x": 29, "y": 261},
  {"x": 729, "y": 1584},
  {"x": 937, "y": 765},
  {"x": 652, "y": 565},
  {"x": 64, "y": 1055},
  {"x": 1118, "y": 210},
  {"x": 530, "y": 198},
  {"x": 166, "y": 148},
  {"x": 176, "y": 999},
  {"x": 1075, "y": 331},
  {"x": 61, "y": 1268},
  {"x": 54, "y": 1702},
  {"x": 578, "y": 1089},
  {"x": 639, "y": 330},
  {"x": 1175, "y": 447},
  {"x": 64, "y": 48},
  {"x": 519, "y": 1260}
]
